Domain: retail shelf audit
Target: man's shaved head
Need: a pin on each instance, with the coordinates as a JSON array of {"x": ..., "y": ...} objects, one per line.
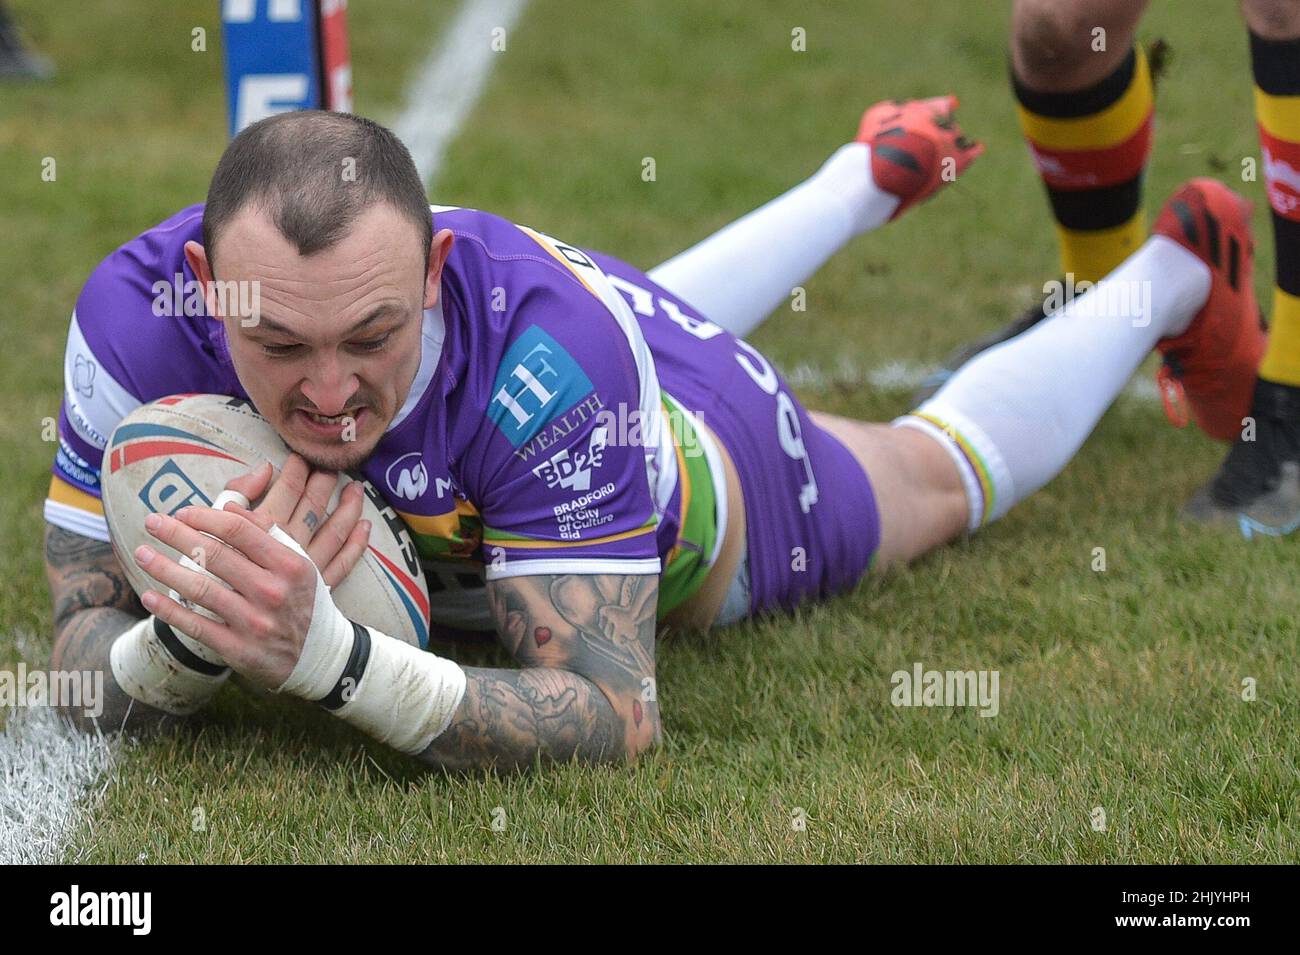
[
  {"x": 313, "y": 173},
  {"x": 323, "y": 217}
]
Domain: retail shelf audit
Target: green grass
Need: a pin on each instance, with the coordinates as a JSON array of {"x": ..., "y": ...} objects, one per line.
[{"x": 1120, "y": 689}]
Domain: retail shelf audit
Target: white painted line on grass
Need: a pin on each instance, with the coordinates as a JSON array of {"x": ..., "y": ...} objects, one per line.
[
  {"x": 451, "y": 80},
  {"x": 906, "y": 376},
  {"x": 50, "y": 779}
]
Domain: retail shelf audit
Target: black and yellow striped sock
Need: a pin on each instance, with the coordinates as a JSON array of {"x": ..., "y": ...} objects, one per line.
[
  {"x": 1091, "y": 148},
  {"x": 1276, "y": 65}
]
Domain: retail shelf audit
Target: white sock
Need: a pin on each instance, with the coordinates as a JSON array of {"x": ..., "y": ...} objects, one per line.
[
  {"x": 742, "y": 273},
  {"x": 1014, "y": 416}
]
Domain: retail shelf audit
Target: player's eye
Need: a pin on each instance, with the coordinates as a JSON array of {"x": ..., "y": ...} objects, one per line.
[
  {"x": 372, "y": 344},
  {"x": 280, "y": 351}
]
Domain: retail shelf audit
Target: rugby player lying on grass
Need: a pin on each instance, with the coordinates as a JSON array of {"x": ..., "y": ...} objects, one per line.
[{"x": 488, "y": 351}]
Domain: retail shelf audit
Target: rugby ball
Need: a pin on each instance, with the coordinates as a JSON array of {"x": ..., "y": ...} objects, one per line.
[{"x": 181, "y": 450}]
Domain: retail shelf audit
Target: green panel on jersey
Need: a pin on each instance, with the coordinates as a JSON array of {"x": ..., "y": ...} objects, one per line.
[{"x": 688, "y": 564}]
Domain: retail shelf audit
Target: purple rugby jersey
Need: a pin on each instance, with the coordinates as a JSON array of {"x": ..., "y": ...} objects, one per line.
[{"x": 552, "y": 426}]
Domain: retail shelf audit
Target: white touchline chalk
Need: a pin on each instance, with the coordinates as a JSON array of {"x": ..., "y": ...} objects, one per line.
[
  {"x": 904, "y": 376},
  {"x": 451, "y": 80},
  {"x": 50, "y": 781}
]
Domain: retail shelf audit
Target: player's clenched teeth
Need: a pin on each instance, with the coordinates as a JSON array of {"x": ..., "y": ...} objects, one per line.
[
  {"x": 330, "y": 419},
  {"x": 331, "y": 425}
]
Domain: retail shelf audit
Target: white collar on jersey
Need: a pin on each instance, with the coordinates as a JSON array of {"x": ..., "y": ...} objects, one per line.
[{"x": 432, "y": 333}]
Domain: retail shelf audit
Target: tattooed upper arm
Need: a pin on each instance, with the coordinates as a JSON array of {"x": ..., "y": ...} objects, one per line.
[{"x": 587, "y": 643}]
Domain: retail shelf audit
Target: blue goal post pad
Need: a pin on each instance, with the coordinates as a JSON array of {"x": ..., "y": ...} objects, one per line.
[{"x": 283, "y": 55}]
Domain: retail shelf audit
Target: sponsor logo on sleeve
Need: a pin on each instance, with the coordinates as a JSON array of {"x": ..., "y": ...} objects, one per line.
[
  {"x": 581, "y": 514},
  {"x": 81, "y": 424},
  {"x": 556, "y": 430},
  {"x": 83, "y": 376},
  {"x": 75, "y": 468},
  {"x": 571, "y": 469},
  {"x": 537, "y": 381}
]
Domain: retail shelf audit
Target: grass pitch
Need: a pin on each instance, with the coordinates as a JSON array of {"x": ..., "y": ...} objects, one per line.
[{"x": 1121, "y": 690}]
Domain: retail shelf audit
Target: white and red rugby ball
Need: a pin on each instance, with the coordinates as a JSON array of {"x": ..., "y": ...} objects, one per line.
[{"x": 182, "y": 450}]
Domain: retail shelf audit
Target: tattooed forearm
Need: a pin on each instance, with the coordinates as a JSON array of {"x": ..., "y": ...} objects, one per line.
[
  {"x": 508, "y": 718},
  {"x": 93, "y": 605},
  {"x": 587, "y": 688}
]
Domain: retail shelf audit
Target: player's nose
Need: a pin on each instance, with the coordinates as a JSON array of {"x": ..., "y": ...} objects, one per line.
[{"x": 330, "y": 386}]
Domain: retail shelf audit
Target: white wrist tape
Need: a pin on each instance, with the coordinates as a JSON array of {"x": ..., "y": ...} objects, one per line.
[
  {"x": 226, "y": 496},
  {"x": 153, "y": 665},
  {"x": 328, "y": 643},
  {"x": 399, "y": 694},
  {"x": 405, "y": 697}
]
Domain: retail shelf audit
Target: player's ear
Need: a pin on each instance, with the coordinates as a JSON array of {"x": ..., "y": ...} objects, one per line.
[
  {"x": 438, "y": 252},
  {"x": 197, "y": 257}
]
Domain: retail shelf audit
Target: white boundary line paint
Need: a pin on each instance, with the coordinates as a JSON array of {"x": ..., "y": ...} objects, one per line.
[
  {"x": 905, "y": 376},
  {"x": 451, "y": 80},
  {"x": 48, "y": 775}
]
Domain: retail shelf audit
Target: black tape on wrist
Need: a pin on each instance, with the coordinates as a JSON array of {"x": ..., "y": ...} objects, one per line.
[
  {"x": 348, "y": 682},
  {"x": 183, "y": 654}
]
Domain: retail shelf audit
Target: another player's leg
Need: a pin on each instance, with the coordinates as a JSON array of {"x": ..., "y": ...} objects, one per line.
[
  {"x": 1257, "y": 488},
  {"x": 1010, "y": 420},
  {"x": 903, "y": 153},
  {"x": 1085, "y": 98}
]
